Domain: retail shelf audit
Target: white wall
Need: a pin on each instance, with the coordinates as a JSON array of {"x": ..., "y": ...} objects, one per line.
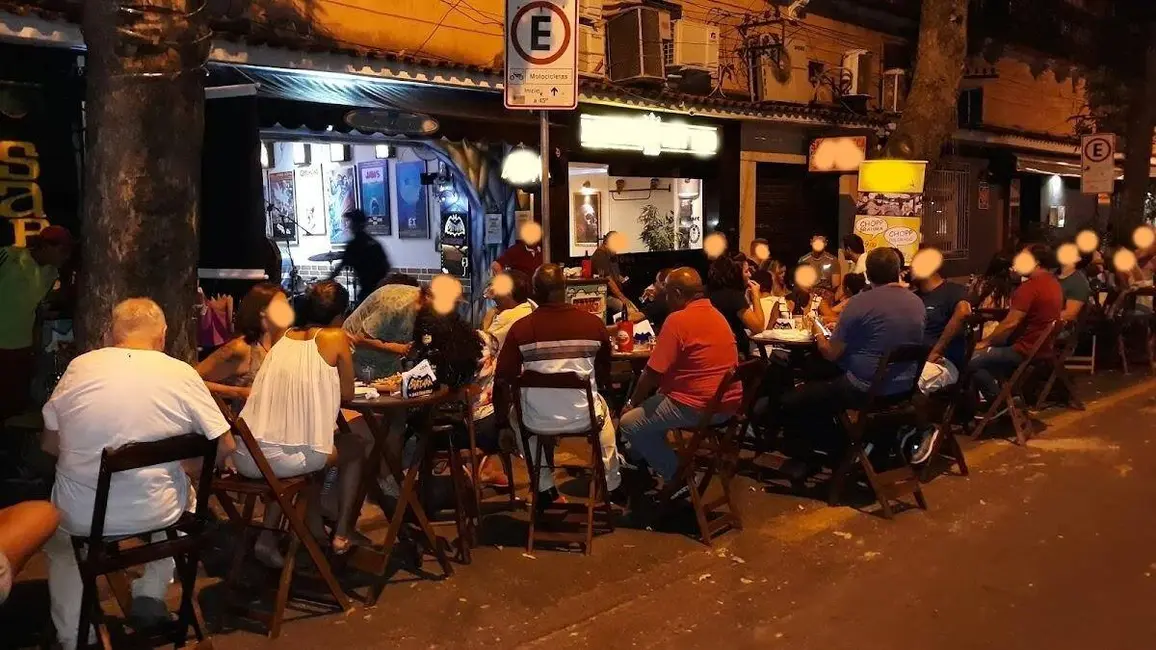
[
  {"x": 621, "y": 211},
  {"x": 403, "y": 253}
]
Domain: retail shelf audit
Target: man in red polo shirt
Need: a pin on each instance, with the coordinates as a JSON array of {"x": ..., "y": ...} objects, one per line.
[
  {"x": 1035, "y": 305},
  {"x": 526, "y": 253},
  {"x": 695, "y": 348}
]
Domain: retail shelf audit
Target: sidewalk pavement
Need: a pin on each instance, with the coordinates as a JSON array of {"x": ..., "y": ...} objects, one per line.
[{"x": 796, "y": 559}]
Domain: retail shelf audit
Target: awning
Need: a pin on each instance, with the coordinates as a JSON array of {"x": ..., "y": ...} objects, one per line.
[
  {"x": 1062, "y": 166},
  {"x": 367, "y": 92}
]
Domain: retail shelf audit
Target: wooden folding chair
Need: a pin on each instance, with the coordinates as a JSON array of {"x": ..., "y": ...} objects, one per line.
[
  {"x": 1011, "y": 394},
  {"x": 880, "y": 412},
  {"x": 711, "y": 450},
  {"x": 1057, "y": 366},
  {"x": 946, "y": 445},
  {"x": 1124, "y": 319},
  {"x": 577, "y": 522},
  {"x": 184, "y": 540},
  {"x": 290, "y": 494}
]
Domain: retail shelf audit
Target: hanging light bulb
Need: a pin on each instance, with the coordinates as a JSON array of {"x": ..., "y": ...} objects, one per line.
[{"x": 522, "y": 167}]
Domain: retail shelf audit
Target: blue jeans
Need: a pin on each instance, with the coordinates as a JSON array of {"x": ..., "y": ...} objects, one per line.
[
  {"x": 644, "y": 429},
  {"x": 987, "y": 364}
]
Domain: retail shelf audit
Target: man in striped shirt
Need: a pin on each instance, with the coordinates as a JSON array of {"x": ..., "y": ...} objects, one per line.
[{"x": 556, "y": 338}]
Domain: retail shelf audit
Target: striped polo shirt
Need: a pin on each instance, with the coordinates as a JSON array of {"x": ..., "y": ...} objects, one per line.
[{"x": 557, "y": 338}]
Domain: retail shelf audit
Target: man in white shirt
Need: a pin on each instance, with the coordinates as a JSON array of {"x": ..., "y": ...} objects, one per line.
[
  {"x": 513, "y": 304},
  {"x": 128, "y": 392}
]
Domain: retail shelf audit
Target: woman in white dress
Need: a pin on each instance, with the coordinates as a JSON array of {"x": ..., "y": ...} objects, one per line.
[{"x": 292, "y": 410}]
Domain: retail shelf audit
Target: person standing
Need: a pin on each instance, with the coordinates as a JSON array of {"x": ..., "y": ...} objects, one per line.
[
  {"x": 364, "y": 255},
  {"x": 856, "y": 253},
  {"x": 521, "y": 256},
  {"x": 26, "y": 277},
  {"x": 824, "y": 263}
]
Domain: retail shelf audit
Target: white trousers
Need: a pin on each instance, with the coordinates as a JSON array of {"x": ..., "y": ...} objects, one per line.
[
  {"x": 606, "y": 438},
  {"x": 65, "y": 588}
]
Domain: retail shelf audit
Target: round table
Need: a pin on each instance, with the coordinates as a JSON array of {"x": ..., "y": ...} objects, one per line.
[{"x": 370, "y": 560}]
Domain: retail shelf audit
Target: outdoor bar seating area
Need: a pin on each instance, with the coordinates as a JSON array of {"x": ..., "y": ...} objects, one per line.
[{"x": 335, "y": 445}]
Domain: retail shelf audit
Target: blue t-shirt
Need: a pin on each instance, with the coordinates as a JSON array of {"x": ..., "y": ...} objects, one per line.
[
  {"x": 873, "y": 323},
  {"x": 940, "y": 304}
]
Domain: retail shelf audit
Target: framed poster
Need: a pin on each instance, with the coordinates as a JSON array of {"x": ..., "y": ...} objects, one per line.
[
  {"x": 493, "y": 229},
  {"x": 587, "y": 218},
  {"x": 373, "y": 190},
  {"x": 310, "y": 201},
  {"x": 412, "y": 201},
  {"x": 282, "y": 207},
  {"x": 340, "y": 197}
]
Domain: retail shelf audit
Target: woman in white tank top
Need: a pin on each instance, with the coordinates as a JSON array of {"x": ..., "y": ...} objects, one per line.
[{"x": 292, "y": 410}]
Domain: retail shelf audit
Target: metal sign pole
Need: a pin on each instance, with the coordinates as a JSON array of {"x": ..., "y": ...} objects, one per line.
[{"x": 544, "y": 194}]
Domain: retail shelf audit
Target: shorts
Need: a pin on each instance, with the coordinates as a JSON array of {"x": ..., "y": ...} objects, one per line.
[{"x": 286, "y": 461}]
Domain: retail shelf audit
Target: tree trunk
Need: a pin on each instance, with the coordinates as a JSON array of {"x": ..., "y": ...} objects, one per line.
[
  {"x": 1138, "y": 142},
  {"x": 145, "y": 121},
  {"x": 929, "y": 115}
]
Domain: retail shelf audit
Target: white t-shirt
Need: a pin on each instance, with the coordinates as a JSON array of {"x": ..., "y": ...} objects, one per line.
[
  {"x": 860, "y": 265},
  {"x": 111, "y": 397},
  {"x": 502, "y": 323}
]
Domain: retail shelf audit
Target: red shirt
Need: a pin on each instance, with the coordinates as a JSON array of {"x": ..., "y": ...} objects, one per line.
[
  {"x": 1041, "y": 299},
  {"x": 522, "y": 258},
  {"x": 695, "y": 348}
]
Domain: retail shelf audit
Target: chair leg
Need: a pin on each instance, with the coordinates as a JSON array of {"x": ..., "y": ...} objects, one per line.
[
  {"x": 457, "y": 478},
  {"x": 835, "y": 494},
  {"x": 880, "y": 493},
  {"x": 593, "y": 492},
  {"x": 1122, "y": 350},
  {"x": 286, "y": 578},
  {"x": 533, "y": 462},
  {"x": 1003, "y": 397},
  {"x": 247, "y": 532},
  {"x": 1047, "y": 388},
  {"x": 508, "y": 467},
  {"x": 1069, "y": 385},
  {"x": 302, "y": 535}
]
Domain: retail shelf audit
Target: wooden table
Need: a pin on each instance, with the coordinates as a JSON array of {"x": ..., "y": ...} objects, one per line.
[
  {"x": 637, "y": 358},
  {"x": 375, "y": 561},
  {"x": 794, "y": 347}
]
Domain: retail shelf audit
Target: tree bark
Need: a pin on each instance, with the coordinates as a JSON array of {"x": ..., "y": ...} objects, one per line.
[
  {"x": 145, "y": 122},
  {"x": 929, "y": 115},
  {"x": 1138, "y": 144}
]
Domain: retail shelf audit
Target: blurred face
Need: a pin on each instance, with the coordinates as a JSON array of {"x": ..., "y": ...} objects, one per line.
[{"x": 278, "y": 315}]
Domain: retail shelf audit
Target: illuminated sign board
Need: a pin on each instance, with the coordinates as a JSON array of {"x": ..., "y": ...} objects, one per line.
[
  {"x": 892, "y": 176},
  {"x": 649, "y": 134}
]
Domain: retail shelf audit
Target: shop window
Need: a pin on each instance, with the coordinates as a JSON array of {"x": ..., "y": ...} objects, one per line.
[
  {"x": 947, "y": 208},
  {"x": 654, "y": 214}
]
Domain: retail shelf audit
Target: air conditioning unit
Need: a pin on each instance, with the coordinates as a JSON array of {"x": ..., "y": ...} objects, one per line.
[
  {"x": 858, "y": 74},
  {"x": 634, "y": 39},
  {"x": 782, "y": 74},
  {"x": 894, "y": 90},
  {"x": 694, "y": 46},
  {"x": 592, "y": 51},
  {"x": 590, "y": 11}
]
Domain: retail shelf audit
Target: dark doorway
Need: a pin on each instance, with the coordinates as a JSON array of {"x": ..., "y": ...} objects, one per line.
[{"x": 791, "y": 205}]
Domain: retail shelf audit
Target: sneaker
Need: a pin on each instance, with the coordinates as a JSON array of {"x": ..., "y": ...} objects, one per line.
[
  {"x": 681, "y": 493},
  {"x": 927, "y": 440}
]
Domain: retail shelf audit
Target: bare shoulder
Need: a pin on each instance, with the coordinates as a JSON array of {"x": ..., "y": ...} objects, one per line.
[{"x": 332, "y": 338}]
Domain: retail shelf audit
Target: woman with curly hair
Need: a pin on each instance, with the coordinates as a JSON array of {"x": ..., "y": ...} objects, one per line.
[{"x": 462, "y": 356}]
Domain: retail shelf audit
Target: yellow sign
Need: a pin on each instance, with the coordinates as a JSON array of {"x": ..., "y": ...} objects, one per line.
[
  {"x": 888, "y": 231},
  {"x": 892, "y": 176},
  {"x": 21, "y": 201}
]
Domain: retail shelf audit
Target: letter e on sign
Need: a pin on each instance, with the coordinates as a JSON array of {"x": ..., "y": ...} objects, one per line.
[{"x": 1098, "y": 163}]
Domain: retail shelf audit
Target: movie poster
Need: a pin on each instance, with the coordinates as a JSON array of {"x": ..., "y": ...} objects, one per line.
[
  {"x": 310, "y": 201},
  {"x": 373, "y": 189},
  {"x": 412, "y": 201},
  {"x": 587, "y": 218},
  {"x": 340, "y": 197},
  {"x": 282, "y": 207}
]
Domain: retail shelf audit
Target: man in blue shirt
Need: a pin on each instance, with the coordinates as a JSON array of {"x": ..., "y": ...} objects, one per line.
[
  {"x": 947, "y": 312},
  {"x": 873, "y": 323}
]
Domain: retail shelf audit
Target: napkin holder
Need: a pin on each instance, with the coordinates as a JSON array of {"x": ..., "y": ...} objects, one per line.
[{"x": 418, "y": 381}]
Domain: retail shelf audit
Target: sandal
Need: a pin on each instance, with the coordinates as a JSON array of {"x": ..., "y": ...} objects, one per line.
[{"x": 341, "y": 545}]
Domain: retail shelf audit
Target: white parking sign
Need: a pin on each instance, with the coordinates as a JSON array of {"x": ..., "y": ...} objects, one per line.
[
  {"x": 1098, "y": 163},
  {"x": 541, "y": 54}
]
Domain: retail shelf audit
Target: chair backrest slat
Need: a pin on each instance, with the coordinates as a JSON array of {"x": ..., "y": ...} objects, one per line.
[
  {"x": 913, "y": 355},
  {"x": 136, "y": 455}
]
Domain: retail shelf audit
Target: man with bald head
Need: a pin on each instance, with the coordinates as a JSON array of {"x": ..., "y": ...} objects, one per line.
[
  {"x": 556, "y": 338},
  {"x": 130, "y": 391},
  {"x": 695, "y": 348}
]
